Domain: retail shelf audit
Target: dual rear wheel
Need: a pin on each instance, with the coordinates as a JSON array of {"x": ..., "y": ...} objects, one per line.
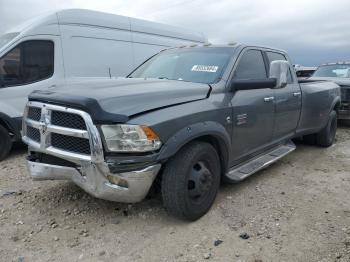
[{"x": 326, "y": 136}]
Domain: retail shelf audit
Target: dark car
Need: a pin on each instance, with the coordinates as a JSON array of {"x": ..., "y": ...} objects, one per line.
[
  {"x": 339, "y": 73},
  {"x": 304, "y": 72}
]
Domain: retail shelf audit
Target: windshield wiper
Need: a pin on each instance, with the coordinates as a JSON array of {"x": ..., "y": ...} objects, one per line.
[{"x": 163, "y": 77}]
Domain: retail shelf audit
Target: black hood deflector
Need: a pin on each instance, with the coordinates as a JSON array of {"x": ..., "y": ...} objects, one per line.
[
  {"x": 86, "y": 104},
  {"x": 116, "y": 101}
]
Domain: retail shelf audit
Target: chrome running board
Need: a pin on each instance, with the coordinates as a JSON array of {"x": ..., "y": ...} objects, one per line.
[{"x": 238, "y": 173}]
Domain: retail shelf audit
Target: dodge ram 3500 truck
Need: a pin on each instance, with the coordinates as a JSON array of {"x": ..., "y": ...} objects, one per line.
[{"x": 187, "y": 118}]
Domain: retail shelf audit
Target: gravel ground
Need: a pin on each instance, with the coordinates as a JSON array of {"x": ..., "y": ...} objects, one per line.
[{"x": 296, "y": 210}]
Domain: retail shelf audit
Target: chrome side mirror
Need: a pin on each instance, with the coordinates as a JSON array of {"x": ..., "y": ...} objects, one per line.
[{"x": 279, "y": 70}]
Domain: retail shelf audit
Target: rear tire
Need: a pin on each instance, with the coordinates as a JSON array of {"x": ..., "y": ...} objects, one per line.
[
  {"x": 191, "y": 180},
  {"x": 5, "y": 143},
  {"x": 326, "y": 136}
]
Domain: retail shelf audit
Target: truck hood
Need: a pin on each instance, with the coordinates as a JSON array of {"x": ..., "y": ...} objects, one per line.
[
  {"x": 115, "y": 101},
  {"x": 343, "y": 82}
]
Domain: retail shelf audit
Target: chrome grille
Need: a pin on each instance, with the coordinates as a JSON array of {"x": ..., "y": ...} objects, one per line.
[
  {"x": 63, "y": 132},
  {"x": 34, "y": 113},
  {"x": 67, "y": 120},
  {"x": 33, "y": 134},
  {"x": 71, "y": 144}
]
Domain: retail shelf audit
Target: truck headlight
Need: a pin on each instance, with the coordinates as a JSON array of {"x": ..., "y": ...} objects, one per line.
[{"x": 130, "y": 138}]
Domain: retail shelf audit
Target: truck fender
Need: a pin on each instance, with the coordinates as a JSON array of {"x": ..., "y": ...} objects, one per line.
[
  {"x": 195, "y": 131},
  {"x": 12, "y": 124}
]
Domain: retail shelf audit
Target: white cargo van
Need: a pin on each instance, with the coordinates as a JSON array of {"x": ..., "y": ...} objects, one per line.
[{"x": 52, "y": 50}]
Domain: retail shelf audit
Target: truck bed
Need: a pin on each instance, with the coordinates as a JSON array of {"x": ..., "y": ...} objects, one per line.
[{"x": 315, "y": 99}]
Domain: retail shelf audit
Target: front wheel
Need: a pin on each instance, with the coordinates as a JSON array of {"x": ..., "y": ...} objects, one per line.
[
  {"x": 191, "y": 180},
  {"x": 326, "y": 136}
]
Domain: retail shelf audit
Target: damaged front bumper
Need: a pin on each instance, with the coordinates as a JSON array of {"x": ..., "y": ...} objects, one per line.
[
  {"x": 64, "y": 143},
  {"x": 128, "y": 187}
]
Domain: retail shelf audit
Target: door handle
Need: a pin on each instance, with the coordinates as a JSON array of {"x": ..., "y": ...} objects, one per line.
[
  {"x": 268, "y": 99},
  {"x": 52, "y": 86},
  {"x": 296, "y": 93}
]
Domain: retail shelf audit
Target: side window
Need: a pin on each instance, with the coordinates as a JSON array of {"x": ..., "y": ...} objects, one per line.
[
  {"x": 251, "y": 66},
  {"x": 272, "y": 56},
  {"x": 28, "y": 62}
]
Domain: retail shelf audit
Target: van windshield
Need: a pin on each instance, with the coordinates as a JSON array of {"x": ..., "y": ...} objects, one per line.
[
  {"x": 198, "y": 65},
  {"x": 6, "y": 38}
]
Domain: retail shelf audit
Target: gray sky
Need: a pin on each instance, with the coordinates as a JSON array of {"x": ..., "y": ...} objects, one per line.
[{"x": 312, "y": 31}]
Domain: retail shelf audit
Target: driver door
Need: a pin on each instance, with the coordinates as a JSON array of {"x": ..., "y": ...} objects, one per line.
[
  {"x": 253, "y": 110},
  {"x": 287, "y": 103}
]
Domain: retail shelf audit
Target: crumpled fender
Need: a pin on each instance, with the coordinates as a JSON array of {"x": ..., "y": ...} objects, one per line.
[{"x": 194, "y": 131}]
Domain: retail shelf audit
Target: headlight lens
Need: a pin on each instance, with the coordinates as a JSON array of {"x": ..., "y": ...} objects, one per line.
[{"x": 130, "y": 138}]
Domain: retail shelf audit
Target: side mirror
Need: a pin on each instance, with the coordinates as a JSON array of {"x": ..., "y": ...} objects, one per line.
[
  {"x": 247, "y": 84},
  {"x": 279, "y": 70}
]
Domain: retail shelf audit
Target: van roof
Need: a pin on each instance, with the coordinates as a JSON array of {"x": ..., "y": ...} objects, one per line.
[{"x": 84, "y": 17}]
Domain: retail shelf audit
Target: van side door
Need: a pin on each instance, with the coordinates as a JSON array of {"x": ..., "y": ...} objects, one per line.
[
  {"x": 253, "y": 110},
  {"x": 97, "y": 51},
  {"x": 287, "y": 102}
]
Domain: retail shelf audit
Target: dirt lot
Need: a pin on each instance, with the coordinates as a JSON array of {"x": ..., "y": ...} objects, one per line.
[{"x": 296, "y": 210}]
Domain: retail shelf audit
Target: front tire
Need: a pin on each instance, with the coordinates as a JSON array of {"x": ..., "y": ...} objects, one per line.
[
  {"x": 5, "y": 143},
  {"x": 326, "y": 136},
  {"x": 191, "y": 181}
]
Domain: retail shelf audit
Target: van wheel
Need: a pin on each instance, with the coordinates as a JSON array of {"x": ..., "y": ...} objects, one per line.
[
  {"x": 5, "y": 142},
  {"x": 191, "y": 181},
  {"x": 326, "y": 136}
]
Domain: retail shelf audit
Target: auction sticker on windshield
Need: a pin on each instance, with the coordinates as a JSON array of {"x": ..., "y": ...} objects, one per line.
[{"x": 205, "y": 68}]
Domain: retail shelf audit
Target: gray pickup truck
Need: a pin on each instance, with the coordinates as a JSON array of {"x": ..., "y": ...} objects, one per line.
[{"x": 184, "y": 120}]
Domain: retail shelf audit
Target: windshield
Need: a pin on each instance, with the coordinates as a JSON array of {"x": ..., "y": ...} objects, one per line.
[
  {"x": 339, "y": 70},
  {"x": 4, "y": 39},
  {"x": 198, "y": 65}
]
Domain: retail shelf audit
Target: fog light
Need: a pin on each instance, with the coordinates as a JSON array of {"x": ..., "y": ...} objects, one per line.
[{"x": 118, "y": 181}]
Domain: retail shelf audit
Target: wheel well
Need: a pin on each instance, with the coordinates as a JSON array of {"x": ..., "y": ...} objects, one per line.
[
  {"x": 5, "y": 125},
  {"x": 10, "y": 127},
  {"x": 219, "y": 146}
]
